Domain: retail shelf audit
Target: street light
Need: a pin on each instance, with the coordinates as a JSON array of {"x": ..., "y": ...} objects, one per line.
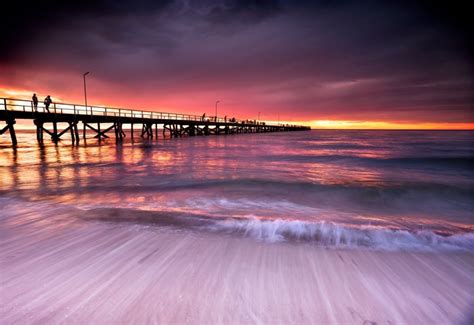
[
  {"x": 217, "y": 101},
  {"x": 85, "y": 90}
]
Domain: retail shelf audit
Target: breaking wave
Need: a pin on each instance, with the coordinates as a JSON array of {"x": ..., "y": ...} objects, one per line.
[
  {"x": 328, "y": 234},
  {"x": 322, "y": 233},
  {"x": 333, "y": 235}
]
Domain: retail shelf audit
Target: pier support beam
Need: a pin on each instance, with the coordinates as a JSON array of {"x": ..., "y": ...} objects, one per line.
[
  {"x": 192, "y": 130},
  {"x": 73, "y": 136},
  {"x": 147, "y": 130},
  {"x": 119, "y": 133},
  {"x": 39, "y": 130},
  {"x": 76, "y": 131},
  {"x": 100, "y": 134},
  {"x": 9, "y": 127},
  {"x": 55, "y": 135}
]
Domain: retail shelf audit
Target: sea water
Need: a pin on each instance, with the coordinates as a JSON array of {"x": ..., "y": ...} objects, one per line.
[{"x": 387, "y": 190}]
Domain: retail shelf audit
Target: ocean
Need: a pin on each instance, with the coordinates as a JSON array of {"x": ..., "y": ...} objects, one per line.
[
  {"x": 321, "y": 226},
  {"x": 354, "y": 189}
]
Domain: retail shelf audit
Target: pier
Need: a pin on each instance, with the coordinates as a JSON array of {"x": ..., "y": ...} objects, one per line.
[{"x": 110, "y": 121}]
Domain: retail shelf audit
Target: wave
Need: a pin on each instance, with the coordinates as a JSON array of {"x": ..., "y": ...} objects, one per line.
[
  {"x": 330, "y": 234},
  {"x": 321, "y": 233},
  {"x": 392, "y": 195},
  {"x": 163, "y": 184},
  {"x": 398, "y": 199}
]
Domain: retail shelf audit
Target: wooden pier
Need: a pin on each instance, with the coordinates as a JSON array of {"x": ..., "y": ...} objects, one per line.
[{"x": 104, "y": 121}]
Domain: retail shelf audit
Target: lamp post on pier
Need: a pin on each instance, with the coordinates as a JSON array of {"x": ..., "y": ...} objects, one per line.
[{"x": 85, "y": 90}]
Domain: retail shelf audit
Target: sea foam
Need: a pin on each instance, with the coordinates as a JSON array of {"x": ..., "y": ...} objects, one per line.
[{"x": 330, "y": 234}]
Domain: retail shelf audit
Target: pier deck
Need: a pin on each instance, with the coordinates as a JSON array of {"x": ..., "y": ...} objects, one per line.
[{"x": 94, "y": 118}]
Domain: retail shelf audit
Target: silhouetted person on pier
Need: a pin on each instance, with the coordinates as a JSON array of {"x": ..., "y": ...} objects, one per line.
[
  {"x": 225, "y": 119},
  {"x": 203, "y": 117},
  {"x": 47, "y": 102},
  {"x": 35, "y": 102}
]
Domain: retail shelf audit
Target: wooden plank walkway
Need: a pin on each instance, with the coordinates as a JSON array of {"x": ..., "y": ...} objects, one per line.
[{"x": 93, "y": 118}]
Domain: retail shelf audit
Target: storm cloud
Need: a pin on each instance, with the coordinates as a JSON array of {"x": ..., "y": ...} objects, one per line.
[{"x": 403, "y": 61}]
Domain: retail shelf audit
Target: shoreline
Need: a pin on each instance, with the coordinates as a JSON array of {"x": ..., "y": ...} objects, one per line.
[{"x": 110, "y": 273}]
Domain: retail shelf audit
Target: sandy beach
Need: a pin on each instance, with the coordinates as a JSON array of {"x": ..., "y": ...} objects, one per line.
[{"x": 60, "y": 270}]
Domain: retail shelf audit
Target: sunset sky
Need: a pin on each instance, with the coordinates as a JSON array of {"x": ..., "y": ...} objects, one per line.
[{"x": 335, "y": 64}]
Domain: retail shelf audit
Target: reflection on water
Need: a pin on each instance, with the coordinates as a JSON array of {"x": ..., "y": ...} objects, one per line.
[{"x": 409, "y": 179}]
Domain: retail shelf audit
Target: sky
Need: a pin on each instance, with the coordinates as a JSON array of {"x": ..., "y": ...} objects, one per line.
[{"x": 347, "y": 64}]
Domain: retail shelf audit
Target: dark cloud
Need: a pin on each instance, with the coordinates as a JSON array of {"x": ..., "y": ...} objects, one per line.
[
  {"x": 245, "y": 11},
  {"x": 27, "y": 21},
  {"x": 404, "y": 59}
]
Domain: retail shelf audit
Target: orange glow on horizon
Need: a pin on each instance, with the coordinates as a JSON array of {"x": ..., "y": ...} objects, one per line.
[
  {"x": 314, "y": 124},
  {"x": 389, "y": 125}
]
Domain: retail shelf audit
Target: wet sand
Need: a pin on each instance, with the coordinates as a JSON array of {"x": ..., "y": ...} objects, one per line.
[{"x": 95, "y": 272}]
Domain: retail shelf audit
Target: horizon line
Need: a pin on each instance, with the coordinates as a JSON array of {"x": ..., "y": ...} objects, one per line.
[{"x": 326, "y": 124}]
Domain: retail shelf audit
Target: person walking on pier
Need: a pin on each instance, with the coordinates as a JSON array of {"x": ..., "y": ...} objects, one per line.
[
  {"x": 203, "y": 117},
  {"x": 47, "y": 102},
  {"x": 35, "y": 102}
]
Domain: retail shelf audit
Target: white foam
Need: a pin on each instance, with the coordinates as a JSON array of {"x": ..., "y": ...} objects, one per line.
[
  {"x": 334, "y": 235},
  {"x": 324, "y": 233}
]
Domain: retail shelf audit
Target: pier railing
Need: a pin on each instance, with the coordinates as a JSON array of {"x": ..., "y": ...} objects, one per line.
[{"x": 22, "y": 105}]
